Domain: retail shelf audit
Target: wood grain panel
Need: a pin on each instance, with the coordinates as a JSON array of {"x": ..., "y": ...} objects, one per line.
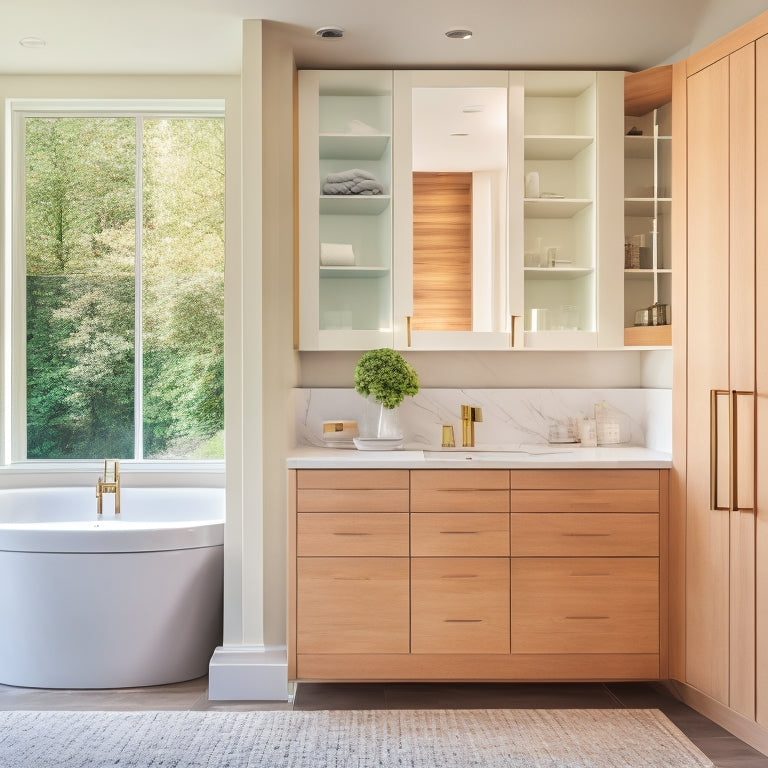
[
  {"x": 363, "y": 479},
  {"x": 345, "y": 534},
  {"x": 471, "y": 666},
  {"x": 341, "y": 500},
  {"x": 742, "y": 376},
  {"x": 585, "y": 535},
  {"x": 585, "y": 479},
  {"x": 647, "y": 90},
  {"x": 442, "y": 252},
  {"x": 585, "y": 605},
  {"x": 707, "y": 533},
  {"x": 476, "y": 534},
  {"x": 352, "y": 605},
  {"x": 459, "y": 605},
  {"x": 585, "y": 501}
]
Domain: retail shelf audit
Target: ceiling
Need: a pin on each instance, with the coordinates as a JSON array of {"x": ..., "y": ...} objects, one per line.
[{"x": 203, "y": 36}]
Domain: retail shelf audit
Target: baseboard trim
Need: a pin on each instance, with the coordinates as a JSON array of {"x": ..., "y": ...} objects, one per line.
[
  {"x": 740, "y": 726},
  {"x": 248, "y": 673}
]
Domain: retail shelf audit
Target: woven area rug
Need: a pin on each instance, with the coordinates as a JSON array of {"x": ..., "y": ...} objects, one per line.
[{"x": 521, "y": 738}]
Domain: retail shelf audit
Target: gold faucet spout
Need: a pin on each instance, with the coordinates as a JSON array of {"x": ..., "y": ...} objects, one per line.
[
  {"x": 109, "y": 482},
  {"x": 469, "y": 415}
]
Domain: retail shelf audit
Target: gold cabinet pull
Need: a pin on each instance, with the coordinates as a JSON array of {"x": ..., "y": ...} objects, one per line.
[
  {"x": 733, "y": 449},
  {"x": 713, "y": 444},
  {"x": 513, "y": 325},
  {"x": 408, "y": 330}
]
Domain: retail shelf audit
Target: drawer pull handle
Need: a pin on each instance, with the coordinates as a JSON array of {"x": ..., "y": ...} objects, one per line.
[
  {"x": 350, "y": 533},
  {"x": 462, "y": 533},
  {"x": 591, "y": 573},
  {"x": 591, "y": 618},
  {"x": 351, "y": 578},
  {"x": 463, "y": 621},
  {"x": 459, "y": 576},
  {"x": 585, "y": 535}
]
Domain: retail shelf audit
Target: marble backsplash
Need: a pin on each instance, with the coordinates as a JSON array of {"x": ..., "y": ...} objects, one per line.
[{"x": 509, "y": 415}]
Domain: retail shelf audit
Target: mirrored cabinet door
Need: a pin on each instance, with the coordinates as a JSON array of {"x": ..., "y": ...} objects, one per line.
[{"x": 457, "y": 221}]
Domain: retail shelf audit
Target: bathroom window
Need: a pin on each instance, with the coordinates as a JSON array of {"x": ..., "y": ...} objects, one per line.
[{"x": 119, "y": 262}]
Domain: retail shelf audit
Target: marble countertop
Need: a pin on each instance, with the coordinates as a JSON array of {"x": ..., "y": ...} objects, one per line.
[{"x": 539, "y": 456}]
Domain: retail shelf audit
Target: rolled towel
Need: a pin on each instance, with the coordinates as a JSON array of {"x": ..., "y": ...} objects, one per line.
[
  {"x": 337, "y": 255},
  {"x": 338, "y": 188}
]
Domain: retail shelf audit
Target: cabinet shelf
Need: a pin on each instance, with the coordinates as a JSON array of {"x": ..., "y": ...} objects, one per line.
[
  {"x": 554, "y": 208},
  {"x": 353, "y": 272},
  {"x": 644, "y": 274},
  {"x": 358, "y": 205},
  {"x": 555, "y": 147},
  {"x": 556, "y": 273},
  {"x": 353, "y": 146}
]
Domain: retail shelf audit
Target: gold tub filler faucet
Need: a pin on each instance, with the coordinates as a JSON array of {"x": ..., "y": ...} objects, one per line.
[
  {"x": 109, "y": 482},
  {"x": 469, "y": 415}
]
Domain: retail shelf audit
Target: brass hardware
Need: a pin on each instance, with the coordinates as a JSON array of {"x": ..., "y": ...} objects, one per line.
[
  {"x": 713, "y": 440},
  {"x": 469, "y": 415},
  {"x": 408, "y": 329},
  {"x": 109, "y": 482},
  {"x": 733, "y": 450},
  {"x": 512, "y": 330},
  {"x": 449, "y": 441}
]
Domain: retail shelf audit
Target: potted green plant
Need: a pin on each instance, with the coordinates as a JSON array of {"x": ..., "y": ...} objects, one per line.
[{"x": 384, "y": 376}]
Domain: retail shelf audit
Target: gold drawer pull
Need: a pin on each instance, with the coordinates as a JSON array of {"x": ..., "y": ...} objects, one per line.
[
  {"x": 459, "y": 576},
  {"x": 591, "y": 618},
  {"x": 463, "y": 533},
  {"x": 350, "y": 533},
  {"x": 463, "y": 621},
  {"x": 584, "y": 535},
  {"x": 591, "y": 573},
  {"x": 351, "y": 578}
]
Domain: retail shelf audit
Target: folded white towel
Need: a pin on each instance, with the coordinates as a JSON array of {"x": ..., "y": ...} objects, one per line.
[{"x": 337, "y": 255}]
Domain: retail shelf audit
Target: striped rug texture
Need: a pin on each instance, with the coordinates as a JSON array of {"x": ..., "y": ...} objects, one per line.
[{"x": 523, "y": 738}]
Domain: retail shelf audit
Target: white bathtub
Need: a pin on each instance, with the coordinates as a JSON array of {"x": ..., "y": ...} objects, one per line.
[{"x": 113, "y": 602}]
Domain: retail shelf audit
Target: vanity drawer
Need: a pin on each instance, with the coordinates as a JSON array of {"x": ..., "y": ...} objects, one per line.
[
  {"x": 346, "y": 534},
  {"x": 460, "y": 490},
  {"x": 586, "y": 500},
  {"x": 584, "y": 479},
  {"x": 342, "y": 500},
  {"x": 456, "y": 534},
  {"x": 364, "y": 479},
  {"x": 352, "y": 605},
  {"x": 577, "y": 534},
  {"x": 585, "y": 605},
  {"x": 459, "y": 605}
]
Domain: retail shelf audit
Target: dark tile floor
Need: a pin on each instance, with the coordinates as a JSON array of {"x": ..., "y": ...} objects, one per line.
[{"x": 724, "y": 749}]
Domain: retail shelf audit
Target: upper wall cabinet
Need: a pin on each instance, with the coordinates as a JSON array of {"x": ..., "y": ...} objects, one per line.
[
  {"x": 486, "y": 215},
  {"x": 345, "y": 230},
  {"x": 648, "y": 207},
  {"x": 571, "y": 213}
]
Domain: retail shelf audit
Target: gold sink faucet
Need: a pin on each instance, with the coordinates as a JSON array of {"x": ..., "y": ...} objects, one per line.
[
  {"x": 469, "y": 415},
  {"x": 109, "y": 482}
]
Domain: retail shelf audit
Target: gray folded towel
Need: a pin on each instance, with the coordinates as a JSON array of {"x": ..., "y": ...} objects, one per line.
[{"x": 352, "y": 182}]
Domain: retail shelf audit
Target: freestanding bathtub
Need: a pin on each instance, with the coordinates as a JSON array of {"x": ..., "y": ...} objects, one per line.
[{"x": 113, "y": 602}]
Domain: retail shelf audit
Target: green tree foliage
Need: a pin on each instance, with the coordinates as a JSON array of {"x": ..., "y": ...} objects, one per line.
[{"x": 80, "y": 253}]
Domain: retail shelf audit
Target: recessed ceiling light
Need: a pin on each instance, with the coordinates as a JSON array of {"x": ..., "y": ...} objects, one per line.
[
  {"x": 330, "y": 33},
  {"x": 459, "y": 34},
  {"x": 32, "y": 42}
]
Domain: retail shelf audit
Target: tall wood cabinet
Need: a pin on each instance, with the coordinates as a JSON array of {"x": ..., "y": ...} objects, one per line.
[{"x": 719, "y": 637}]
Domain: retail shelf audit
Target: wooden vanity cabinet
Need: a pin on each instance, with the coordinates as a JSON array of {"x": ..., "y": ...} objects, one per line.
[{"x": 477, "y": 574}]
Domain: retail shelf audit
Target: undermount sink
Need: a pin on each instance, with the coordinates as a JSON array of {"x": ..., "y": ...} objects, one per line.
[{"x": 485, "y": 454}]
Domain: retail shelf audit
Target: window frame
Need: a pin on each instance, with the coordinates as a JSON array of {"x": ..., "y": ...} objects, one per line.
[{"x": 13, "y": 450}]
